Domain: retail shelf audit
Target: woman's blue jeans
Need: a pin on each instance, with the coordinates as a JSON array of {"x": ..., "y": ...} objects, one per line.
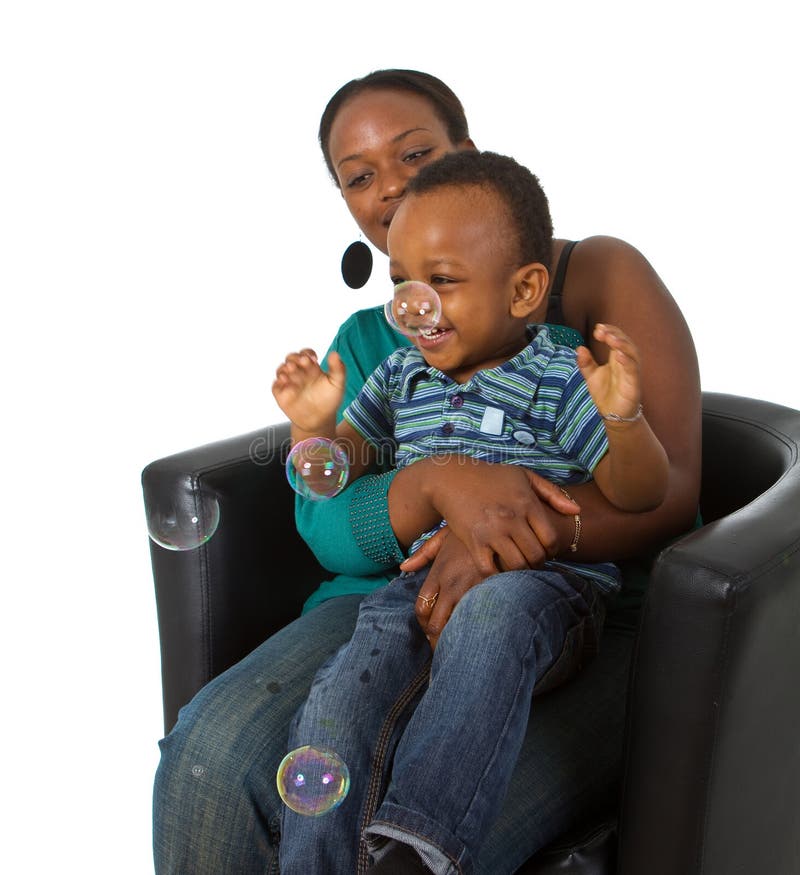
[{"x": 216, "y": 807}]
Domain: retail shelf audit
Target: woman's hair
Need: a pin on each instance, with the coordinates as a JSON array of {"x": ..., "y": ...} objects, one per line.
[
  {"x": 516, "y": 186},
  {"x": 443, "y": 100}
]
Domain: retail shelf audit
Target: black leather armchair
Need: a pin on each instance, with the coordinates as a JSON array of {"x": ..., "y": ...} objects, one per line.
[{"x": 711, "y": 777}]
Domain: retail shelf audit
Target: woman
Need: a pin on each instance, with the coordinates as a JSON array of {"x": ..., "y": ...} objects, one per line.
[{"x": 216, "y": 807}]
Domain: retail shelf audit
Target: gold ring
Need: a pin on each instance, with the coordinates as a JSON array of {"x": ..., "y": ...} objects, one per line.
[{"x": 430, "y": 601}]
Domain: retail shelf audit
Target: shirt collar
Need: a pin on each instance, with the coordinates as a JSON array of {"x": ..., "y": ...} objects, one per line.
[{"x": 414, "y": 364}]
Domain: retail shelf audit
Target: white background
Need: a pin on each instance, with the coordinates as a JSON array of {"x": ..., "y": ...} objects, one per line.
[{"x": 168, "y": 232}]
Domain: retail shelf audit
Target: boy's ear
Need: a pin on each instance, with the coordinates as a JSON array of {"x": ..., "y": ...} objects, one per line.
[{"x": 530, "y": 286}]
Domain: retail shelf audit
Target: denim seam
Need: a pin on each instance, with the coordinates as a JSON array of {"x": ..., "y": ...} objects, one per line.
[{"x": 376, "y": 770}]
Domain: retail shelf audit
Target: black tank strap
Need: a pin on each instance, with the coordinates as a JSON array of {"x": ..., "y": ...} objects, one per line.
[{"x": 555, "y": 311}]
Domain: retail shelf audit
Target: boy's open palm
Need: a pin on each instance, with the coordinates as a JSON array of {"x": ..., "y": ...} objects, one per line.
[
  {"x": 615, "y": 386},
  {"x": 306, "y": 394}
]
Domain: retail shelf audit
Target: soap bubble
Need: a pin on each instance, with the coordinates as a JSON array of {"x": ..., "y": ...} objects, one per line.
[
  {"x": 183, "y": 522},
  {"x": 414, "y": 308},
  {"x": 313, "y": 780},
  {"x": 317, "y": 468}
]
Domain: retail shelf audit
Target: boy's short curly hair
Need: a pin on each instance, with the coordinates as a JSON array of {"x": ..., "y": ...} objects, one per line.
[{"x": 516, "y": 186}]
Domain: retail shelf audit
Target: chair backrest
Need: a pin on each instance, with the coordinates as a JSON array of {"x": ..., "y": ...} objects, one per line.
[{"x": 742, "y": 456}]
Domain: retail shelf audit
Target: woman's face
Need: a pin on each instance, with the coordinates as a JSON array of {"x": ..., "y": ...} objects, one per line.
[{"x": 379, "y": 140}]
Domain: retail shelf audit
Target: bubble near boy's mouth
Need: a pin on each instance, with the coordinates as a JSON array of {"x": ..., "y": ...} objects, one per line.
[{"x": 415, "y": 307}]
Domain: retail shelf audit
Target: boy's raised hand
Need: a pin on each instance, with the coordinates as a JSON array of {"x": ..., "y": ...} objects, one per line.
[
  {"x": 306, "y": 394},
  {"x": 615, "y": 386}
]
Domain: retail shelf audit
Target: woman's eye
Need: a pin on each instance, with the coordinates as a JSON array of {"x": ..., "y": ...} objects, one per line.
[
  {"x": 411, "y": 157},
  {"x": 358, "y": 181}
]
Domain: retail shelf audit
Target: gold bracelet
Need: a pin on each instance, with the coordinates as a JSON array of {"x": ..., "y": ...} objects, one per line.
[{"x": 574, "y": 545}]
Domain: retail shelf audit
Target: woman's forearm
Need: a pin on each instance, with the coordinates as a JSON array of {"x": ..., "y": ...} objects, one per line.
[
  {"x": 350, "y": 534},
  {"x": 411, "y": 510},
  {"x": 610, "y": 534}
]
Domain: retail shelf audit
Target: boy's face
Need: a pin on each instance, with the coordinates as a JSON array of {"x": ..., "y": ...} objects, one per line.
[{"x": 456, "y": 239}]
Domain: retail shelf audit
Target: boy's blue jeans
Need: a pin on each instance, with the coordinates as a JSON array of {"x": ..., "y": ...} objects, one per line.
[
  {"x": 216, "y": 806},
  {"x": 431, "y": 744}
]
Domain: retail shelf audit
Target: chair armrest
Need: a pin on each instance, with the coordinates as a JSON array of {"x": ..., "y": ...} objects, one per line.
[
  {"x": 712, "y": 772},
  {"x": 217, "y": 602}
]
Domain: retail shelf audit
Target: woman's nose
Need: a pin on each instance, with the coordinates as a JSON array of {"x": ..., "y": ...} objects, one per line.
[{"x": 393, "y": 184}]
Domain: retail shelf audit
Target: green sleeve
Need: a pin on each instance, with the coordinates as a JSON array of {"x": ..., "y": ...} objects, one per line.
[{"x": 352, "y": 533}]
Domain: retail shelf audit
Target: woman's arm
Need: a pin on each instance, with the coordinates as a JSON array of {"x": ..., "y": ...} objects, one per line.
[
  {"x": 610, "y": 281},
  {"x": 351, "y": 534}
]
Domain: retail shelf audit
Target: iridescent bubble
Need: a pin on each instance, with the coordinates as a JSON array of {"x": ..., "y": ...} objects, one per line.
[
  {"x": 183, "y": 522},
  {"x": 414, "y": 308},
  {"x": 313, "y": 780},
  {"x": 317, "y": 468}
]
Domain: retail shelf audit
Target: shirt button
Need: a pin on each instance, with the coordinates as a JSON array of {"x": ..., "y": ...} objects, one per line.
[
  {"x": 448, "y": 428},
  {"x": 457, "y": 401}
]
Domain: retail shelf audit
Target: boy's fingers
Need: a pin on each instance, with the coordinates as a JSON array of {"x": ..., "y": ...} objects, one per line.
[
  {"x": 336, "y": 367},
  {"x": 585, "y": 361},
  {"x": 301, "y": 359},
  {"x": 616, "y": 338}
]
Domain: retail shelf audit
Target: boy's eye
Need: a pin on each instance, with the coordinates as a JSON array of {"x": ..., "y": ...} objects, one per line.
[{"x": 441, "y": 280}]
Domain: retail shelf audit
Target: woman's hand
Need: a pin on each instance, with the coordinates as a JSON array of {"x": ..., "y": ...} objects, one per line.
[
  {"x": 504, "y": 523},
  {"x": 452, "y": 574},
  {"x": 547, "y": 493}
]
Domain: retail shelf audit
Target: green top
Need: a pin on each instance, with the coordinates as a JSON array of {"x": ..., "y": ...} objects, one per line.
[{"x": 351, "y": 534}]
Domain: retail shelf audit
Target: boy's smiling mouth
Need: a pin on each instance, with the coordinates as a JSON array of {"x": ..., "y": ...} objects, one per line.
[{"x": 431, "y": 337}]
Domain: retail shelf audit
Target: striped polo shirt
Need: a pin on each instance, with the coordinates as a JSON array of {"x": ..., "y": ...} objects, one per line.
[{"x": 533, "y": 410}]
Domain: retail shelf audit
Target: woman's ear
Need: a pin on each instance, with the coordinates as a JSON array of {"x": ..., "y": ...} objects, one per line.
[
  {"x": 466, "y": 144},
  {"x": 530, "y": 288}
]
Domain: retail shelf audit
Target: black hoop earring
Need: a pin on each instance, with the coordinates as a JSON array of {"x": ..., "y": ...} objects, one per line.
[{"x": 357, "y": 264}]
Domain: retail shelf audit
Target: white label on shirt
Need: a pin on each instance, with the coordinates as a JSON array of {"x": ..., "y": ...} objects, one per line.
[{"x": 492, "y": 422}]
